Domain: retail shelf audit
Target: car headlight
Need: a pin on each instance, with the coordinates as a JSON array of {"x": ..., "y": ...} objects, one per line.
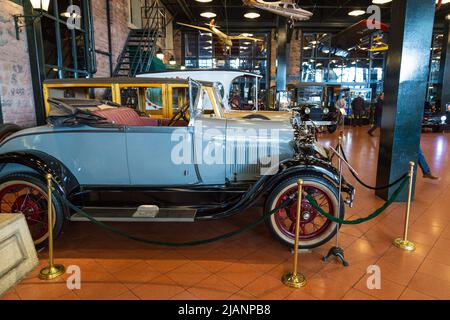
[
  {"x": 326, "y": 111},
  {"x": 307, "y": 110}
]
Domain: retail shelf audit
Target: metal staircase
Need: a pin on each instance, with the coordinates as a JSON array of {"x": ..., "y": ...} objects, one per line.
[{"x": 140, "y": 47}]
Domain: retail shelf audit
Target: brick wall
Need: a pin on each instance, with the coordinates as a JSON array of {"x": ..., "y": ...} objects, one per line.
[
  {"x": 273, "y": 58},
  {"x": 16, "y": 92},
  {"x": 293, "y": 73},
  {"x": 177, "y": 45},
  {"x": 119, "y": 31},
  {"x": 294, "y": 59}
]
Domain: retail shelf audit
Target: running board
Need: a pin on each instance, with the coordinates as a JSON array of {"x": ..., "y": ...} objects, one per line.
[{"x": 133, "y": 215}]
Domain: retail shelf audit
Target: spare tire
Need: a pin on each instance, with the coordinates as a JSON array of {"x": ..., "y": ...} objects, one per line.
[{"x": 8, "y": 129}]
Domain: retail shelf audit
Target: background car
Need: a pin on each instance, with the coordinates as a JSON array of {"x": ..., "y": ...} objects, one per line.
[{"x": 434, "y": 122}]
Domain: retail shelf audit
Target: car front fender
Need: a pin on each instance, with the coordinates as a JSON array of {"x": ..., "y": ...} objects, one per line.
[{"x": 292, "y": 168}]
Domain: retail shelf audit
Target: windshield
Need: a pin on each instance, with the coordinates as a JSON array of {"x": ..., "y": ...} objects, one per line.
[{"x": 195, "y": 100}]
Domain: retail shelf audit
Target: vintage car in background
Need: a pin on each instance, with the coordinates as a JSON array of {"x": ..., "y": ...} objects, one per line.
[
  {"x": 316, "y": 104},
  {"x": 153, "y": 97},
  {"x": 434, "y": 122},
  {"x": 120, "y": 166},
  {"x": 326, "y": 117},
  {"x": 433, "y": 119},
  {"x": 237, "y": 89}
]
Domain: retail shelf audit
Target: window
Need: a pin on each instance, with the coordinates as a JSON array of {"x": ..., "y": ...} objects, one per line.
[
  {"x": 434, "y": 79},
  {"x": 353, "y": 68},
  {"x": 65, "y": 39},
  {"x": 153, "y": 99},
  {"x": 204, "y": 50}
]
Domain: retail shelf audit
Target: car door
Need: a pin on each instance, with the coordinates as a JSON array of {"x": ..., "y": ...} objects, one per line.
[
  {"x": 161, "y": 155},
  {"x": 210, "y": 143}
]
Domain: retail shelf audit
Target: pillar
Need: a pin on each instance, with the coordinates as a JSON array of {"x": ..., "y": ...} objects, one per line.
[{"x": 405, "y": 86}]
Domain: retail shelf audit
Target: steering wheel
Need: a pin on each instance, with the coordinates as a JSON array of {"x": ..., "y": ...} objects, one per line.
[
  {"x": 180, "y": 114},
  {"x": 235, "y": 102}
]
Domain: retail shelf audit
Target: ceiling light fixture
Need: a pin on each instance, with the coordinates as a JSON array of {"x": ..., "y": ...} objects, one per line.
[
  {"x": 204, "y": 1},
  {"x": 381, "y": 1},
  {"x": 252, "y": 15},
  {"x": 208, "y": 15},
  {"x": 40, "y": 4},
  {"x": 160, "y": 54},
  {"x": 70, "y": 15},
  {"x": 21, "y": 20},
  {"x": 246, "y": 34},
  {"x": 356, "y": 13}
]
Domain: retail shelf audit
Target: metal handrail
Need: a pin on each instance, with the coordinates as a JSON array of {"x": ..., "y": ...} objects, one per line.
[{"x": 142, "y": 58}]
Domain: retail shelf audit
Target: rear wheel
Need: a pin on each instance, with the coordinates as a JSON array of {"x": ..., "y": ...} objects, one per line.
[
  {"x": 315, "y": 229},
  {"x": 24, "y": 193}
]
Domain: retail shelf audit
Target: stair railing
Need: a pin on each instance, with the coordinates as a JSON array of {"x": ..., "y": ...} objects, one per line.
[{"x": 146, "y": 48}]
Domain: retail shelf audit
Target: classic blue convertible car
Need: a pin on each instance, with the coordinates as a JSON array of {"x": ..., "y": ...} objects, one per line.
[{"x": 119, "y": 166}]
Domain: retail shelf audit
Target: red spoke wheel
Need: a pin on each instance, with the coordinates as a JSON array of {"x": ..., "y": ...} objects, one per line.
[
  {"x": 315, "y": 229},
  {"x": 26, "y": 194}
]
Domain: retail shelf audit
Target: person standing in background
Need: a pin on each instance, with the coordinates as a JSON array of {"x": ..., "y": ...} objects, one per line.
[
  {"x": 341, "y": 103},
  {"x": 378, "y": 114},
  {"x": 423, "y": 164},
  {"x": 358, "y": 108}
]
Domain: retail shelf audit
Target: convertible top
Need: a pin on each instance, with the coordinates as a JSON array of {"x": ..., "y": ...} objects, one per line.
[
  {"x": 120, "y": 80},
  {"x": 71, "y": 112}
]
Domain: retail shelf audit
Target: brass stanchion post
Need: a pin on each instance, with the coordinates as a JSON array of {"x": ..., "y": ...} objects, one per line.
[
  {"x": 296, "y": 279},
  {"x": 404, "y": 243},
  {"x": 52, "y": 271}
]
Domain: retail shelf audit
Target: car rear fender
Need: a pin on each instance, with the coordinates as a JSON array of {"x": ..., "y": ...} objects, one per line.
[{"x": 41, "y": 164}]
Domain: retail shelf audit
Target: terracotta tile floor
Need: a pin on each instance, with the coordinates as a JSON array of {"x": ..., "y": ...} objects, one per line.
[{"x": 250, "y": 266}]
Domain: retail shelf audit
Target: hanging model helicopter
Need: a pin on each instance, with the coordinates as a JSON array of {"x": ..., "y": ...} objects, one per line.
[
  {"x": 223, "y": 37},
  {"x": 285, "y": 8}
]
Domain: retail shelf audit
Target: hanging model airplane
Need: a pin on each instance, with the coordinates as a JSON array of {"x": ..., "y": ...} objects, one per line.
[
  {"x": 285, "y": 8},
  {"x": 225, "y": 38},
  {"x": 379, "y": 45}
]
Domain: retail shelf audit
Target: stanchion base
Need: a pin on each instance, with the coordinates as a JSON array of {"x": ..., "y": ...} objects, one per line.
[
  {"x": 338, "y": 253},
  {"x": 49, "y": 273},
  {"x": 404, "y": 244},
  {"x": 294, "y": 280}
]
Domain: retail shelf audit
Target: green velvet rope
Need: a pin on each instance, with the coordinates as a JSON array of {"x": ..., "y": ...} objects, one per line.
[
  {"x": 179, "y": 244},
  {"x": 241, "y": 230},
  {"x": 375, "y": 214}
]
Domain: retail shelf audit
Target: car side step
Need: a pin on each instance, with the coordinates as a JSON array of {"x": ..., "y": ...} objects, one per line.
[{"x": 137, "y": 214}]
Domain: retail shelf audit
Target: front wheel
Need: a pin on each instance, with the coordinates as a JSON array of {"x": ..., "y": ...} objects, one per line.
[
  {"x": 25, "y": 193},
  {"x": 315, "y": 229}
]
